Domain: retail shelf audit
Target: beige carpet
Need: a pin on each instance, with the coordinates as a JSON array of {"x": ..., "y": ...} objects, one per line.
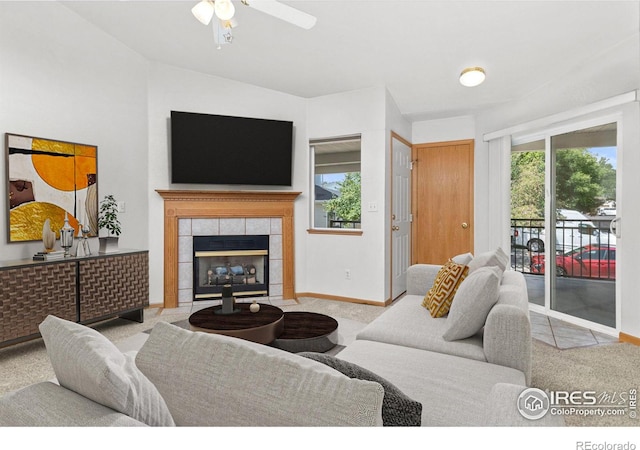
[
  {"x": 28, "y": 363},
  {"x": 611, "y": 368}
]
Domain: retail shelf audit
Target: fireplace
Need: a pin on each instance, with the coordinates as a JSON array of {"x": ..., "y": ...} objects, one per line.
[
  {"x": 188, "y": 213},
  {"x": 241, "y": 261}
]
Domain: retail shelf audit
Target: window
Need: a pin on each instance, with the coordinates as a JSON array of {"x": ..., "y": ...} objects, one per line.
[{"x": 335, "y": 165}]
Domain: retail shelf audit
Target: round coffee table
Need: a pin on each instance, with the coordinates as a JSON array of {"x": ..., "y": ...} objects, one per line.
[
  {"x": 263, "y": 326},
  {"x": 307, "y": 332}
]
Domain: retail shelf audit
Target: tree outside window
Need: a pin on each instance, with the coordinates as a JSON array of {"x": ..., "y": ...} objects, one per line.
[{"x": 337, "y": 183}]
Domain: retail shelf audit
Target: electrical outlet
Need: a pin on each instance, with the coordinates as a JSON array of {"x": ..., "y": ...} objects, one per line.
[
  {"x": 121, "y": 207},
  {"x": 347, "y": 274}
]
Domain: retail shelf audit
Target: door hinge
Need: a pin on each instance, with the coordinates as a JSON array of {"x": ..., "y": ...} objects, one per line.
[
  {"x": 410, "y": 217},
  {"x": 410, "y": 165}
]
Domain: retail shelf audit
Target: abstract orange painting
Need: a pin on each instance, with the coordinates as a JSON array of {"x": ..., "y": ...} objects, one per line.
[{"x": 48, "y": 179}]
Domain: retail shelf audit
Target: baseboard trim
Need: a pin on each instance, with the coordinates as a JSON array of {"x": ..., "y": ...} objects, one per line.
[
  {"x": 341, "y": 299},
  {"x": 624, "y": 337}
]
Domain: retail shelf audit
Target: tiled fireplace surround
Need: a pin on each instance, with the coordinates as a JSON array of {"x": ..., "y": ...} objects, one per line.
[
  {"x": 240, "y": 226},
  {"x": 189, "y": 213}
]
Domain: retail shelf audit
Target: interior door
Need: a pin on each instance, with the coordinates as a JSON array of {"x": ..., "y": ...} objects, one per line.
[
  {"x": 400, "y": 214},
  {"x": 442, "y": 201}
]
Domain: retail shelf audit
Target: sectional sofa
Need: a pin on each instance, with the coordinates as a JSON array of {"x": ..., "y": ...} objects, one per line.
[{"x": 404, "y": 368}]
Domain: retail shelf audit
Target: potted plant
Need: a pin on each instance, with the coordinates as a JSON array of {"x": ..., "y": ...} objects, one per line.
[{"x": 108, "y": 220}]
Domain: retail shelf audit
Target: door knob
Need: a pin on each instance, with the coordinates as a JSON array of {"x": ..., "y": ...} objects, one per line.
[
  {"x": 395, "y": 228},
  {"x": 465, "y": 225}
]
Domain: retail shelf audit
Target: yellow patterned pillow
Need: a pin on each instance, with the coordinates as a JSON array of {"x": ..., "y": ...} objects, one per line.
[{"x": 438, "y": 299}]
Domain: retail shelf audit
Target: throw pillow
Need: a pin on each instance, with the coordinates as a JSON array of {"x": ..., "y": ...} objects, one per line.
[
  {"x": 86, "y": 362},
  {"x": 496, "y": 258},
  {"x": 438, "y": 299},
  {"x": 475, "y": 297},
  {"x": 397, "y": 408},
  {"x": 227, "y": 382},
  {"x": 463, "y": 258}
]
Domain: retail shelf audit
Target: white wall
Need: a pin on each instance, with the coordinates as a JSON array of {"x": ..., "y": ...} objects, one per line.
[
  {"x": 630, "y": 213},
  {"x": 443, "y": 130},
  {"x": 62, "y": 79},
  {"x": 171, "y": 88},
  {"x": 328, "y": 255}
]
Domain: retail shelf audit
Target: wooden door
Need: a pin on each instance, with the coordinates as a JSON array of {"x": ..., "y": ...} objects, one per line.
[{"x": 442, "y": 201}]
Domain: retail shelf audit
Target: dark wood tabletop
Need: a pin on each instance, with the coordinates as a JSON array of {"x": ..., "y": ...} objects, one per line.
[
  {"x": 305, "y": 325},
  {"x": 263, "y": 326}
]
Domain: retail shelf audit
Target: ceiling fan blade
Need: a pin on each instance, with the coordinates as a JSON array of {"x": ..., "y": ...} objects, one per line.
[{"x": 284, "y": 12}]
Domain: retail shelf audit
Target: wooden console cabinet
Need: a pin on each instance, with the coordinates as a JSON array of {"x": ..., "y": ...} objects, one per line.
[{"x": 82, "y": 290}]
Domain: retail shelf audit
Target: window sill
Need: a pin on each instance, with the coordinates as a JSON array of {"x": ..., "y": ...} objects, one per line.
[{"x": 341, "y": 232}]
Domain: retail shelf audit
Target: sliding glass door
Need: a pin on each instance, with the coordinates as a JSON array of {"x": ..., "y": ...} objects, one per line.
[
  {"x": 563, "y": 209},
  {"x": 584, "y": 204}
]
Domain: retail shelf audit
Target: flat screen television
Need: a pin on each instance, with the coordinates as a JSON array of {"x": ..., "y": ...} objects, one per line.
[{"x": 214, "y": 149}]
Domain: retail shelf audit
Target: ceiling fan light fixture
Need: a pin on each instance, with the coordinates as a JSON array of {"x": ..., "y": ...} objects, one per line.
[
  {"x": 224, "y": 9},
  {"x": 472, "y": 76},
  {"x": 203, "y": 11}
]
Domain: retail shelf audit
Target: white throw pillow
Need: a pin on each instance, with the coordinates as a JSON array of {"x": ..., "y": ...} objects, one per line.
[
  {"x": 496, "y": 258},
  {"x": 86, "y": 362},
  {"x": 463, "y": 258},
  {"x": 470, "y": 307}
]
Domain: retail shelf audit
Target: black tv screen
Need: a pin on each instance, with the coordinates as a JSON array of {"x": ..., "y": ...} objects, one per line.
[{"x": 214, "y": 149}]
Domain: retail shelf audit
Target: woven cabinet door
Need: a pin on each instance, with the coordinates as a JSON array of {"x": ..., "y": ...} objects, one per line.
[
  {"x": 29, "y": 294},
  {"x": 113, "y": 284}
]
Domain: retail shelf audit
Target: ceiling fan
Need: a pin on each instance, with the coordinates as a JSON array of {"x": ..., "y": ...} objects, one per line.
[{"x": 224, "y": 11}]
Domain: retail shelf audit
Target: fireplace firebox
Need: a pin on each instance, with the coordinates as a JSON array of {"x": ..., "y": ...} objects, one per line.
[{"x": 241, "y": 261}]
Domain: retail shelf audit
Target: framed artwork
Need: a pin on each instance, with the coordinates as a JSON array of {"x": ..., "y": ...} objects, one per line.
[{"x": 50, "y": 179}]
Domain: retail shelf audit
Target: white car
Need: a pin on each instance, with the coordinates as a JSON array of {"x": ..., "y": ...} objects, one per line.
[
  {"x": 607, "y": 211},
  {"x": 573, "y": 230}
]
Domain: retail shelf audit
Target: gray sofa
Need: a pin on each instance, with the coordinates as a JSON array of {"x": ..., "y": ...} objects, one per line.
[
  {"x": 464, "y": 382},
  {"x": 183, "y": 378},
  {"x": 505, "y": 339}
]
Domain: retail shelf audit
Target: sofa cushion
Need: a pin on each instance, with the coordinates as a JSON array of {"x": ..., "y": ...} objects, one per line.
[
  {"x": 475, "y": 297},
  {"x": 502, "y": 409},
  {"x": 408, "y": 324},
  {"x": 397, "y": 408},
  {"x": 495, "y": 257},
  {"x": 86, "y": 362},
  {"x": 226, "y": 381},
  {"x": 438, "y": 299},
  {"x": 454, "y": 391},
  {"x": 49, "y": 405}
]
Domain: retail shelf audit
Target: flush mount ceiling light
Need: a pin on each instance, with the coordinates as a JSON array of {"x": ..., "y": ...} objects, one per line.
[{"x": 472, "y": 76}]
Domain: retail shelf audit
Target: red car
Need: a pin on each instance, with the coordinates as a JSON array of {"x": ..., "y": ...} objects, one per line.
[{"x": 590, "y": 261}]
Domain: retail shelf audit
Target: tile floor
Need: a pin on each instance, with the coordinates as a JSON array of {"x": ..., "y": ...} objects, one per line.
[{"x": 564, "y": 335}]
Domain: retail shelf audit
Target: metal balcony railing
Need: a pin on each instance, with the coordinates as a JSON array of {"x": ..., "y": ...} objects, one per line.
[{"x": 596, "y": 259}]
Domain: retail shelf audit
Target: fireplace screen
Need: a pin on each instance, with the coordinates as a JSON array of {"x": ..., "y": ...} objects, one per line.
[{"x": 241, "y": 261}]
